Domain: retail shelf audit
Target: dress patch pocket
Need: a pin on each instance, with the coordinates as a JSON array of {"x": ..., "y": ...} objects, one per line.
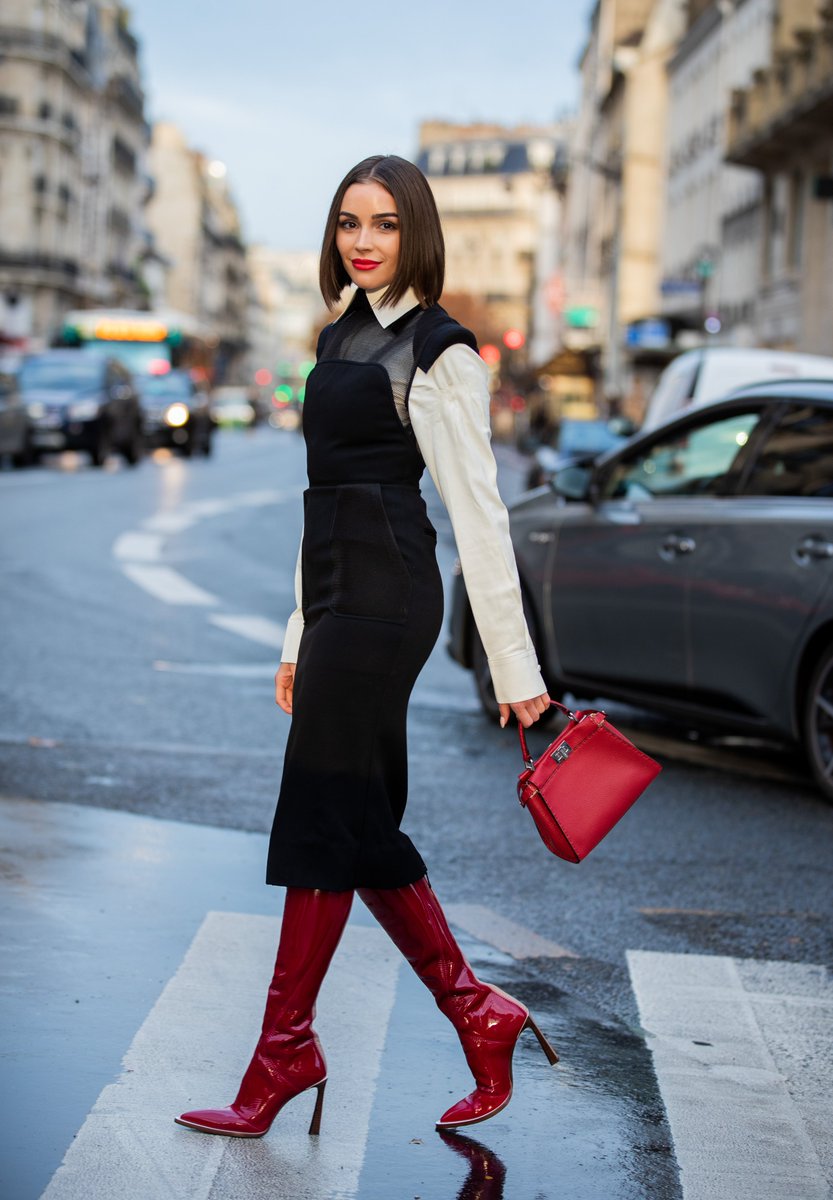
[{"x": 370, "y": 578}]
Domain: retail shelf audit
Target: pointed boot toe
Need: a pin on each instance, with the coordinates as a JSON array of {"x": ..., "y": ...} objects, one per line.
[
  {"x": 479, "y": 1106},
  {"x": 221, "y": 1120}
]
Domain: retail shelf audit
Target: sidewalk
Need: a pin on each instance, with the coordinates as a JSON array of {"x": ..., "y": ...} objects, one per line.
[{"x": 141, "y": 952}]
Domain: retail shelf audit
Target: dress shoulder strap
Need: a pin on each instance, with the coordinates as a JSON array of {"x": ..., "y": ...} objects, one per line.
[
  {"x": 435, "y": 332},
  {"x": 322, "y": 340}
]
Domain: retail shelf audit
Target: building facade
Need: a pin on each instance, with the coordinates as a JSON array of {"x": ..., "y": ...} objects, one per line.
[
  {"x": 196, "y": 227},
  {"x": 615, "y": 193},
  {"x": 713, "y": 209},
  {"x": 781, "y": 126},
  {"x": 73, "y": 139},
  {"x": 286, "y": 314},
  {"x": 495, "y": 193}
]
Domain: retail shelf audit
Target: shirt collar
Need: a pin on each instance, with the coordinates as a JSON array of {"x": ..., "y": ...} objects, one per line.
[{"x": 386, "y": 314}]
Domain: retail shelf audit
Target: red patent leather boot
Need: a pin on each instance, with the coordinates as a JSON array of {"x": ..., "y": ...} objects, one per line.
[
  {"x": 487, "y": 1021},
  {"x": 288, "y": 1058}
]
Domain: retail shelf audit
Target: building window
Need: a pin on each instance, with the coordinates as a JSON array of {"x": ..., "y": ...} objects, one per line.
[
  {"x": 44, "y": 110},
  {"x": 9, "y": 106},
  {"x": 124, "y": 159},
  {"x": 39, "y": 184},
  {"x": 118, "y": 221}
]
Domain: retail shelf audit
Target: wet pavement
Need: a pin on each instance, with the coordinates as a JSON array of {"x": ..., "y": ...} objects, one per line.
[
  {"x": 682, "y": 971},
  {"x": 101, "y": 911}
]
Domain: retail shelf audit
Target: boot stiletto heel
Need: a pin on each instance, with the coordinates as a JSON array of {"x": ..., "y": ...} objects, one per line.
[
  {"x": 488, "y": 1022},
  {"x": 315, "y": 1123},
  {"x": 552, "y": 1057}
]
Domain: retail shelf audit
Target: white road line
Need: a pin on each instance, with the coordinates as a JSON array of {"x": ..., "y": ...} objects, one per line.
[
  {"x": 166, "y": 584},
  {"x": 138, "y": 546},
  {"x": 191, "y": 1052},
  {"x": 746, "y": 1122},
  {"x": 255, "y": 628},
  {"x": 488, "y": 926},
  {"x": 225, "y": 670},
  {"x": 169, "y": 522}
]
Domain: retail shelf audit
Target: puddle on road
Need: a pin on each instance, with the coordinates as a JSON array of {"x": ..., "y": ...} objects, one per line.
[{"x": 592, "y": 1128}]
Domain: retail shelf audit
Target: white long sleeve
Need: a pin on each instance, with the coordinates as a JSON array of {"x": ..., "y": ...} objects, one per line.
[
  {"x": 449, "y": 410},
  {"x": 295, "y": 624}
]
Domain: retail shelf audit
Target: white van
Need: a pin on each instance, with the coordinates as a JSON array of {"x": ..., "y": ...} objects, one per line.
[{"x": 711, "y": 372}]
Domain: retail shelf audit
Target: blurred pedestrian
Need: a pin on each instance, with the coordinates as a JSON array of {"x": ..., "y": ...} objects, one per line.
[{"x": 398, "y": 385}]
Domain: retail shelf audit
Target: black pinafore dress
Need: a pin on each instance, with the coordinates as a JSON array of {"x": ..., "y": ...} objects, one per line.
[{"x": 372, "y": 604}]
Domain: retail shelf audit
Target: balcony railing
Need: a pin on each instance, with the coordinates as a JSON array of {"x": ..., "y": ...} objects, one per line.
[
  {"x": 790, "y": 103},
  {"x": 39, "y": 263}
]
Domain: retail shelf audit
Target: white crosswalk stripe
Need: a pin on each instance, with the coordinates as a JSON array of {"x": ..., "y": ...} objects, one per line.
[
  {"x": 749, "y": 1118},
  {"x": 191, "y": 1051}
]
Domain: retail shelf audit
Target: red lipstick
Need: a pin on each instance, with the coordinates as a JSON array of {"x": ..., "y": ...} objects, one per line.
[{"x": 364, "y": 264}]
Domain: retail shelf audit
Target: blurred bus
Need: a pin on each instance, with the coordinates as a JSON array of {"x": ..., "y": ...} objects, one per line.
[{"x": 148, "y": 343}]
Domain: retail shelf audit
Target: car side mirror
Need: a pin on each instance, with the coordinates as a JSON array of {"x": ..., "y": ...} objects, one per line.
[{"x": 573, "y": 482}]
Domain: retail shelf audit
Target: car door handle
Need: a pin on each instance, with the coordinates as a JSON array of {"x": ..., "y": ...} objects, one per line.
[
  {"x": 812, "y": 547},
  {"x": 674, "y": 545}
]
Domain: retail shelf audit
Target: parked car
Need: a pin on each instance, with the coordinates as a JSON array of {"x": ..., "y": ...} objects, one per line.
[
  {"x": 78, "y": 400},
  {"x": 233, "y": 406},
  {"x": 710, "y": 373},
  {"x": 690, "y": 571},
  {"x": 576, "y": 439},
  {"x": 15, "y": 426},
  {"x": 176, "y": 413}
]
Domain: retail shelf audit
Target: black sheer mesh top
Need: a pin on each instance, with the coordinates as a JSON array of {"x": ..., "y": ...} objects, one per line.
[{"x": 413, "y": 341}]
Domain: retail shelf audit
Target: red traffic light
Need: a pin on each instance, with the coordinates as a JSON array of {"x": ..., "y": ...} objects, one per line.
[
  {"x": 490, "y": 354},
  {"x": 513, "y": 339}
]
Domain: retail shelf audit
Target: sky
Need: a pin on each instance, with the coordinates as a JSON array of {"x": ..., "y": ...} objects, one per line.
[{"x": 291, "y": 95}]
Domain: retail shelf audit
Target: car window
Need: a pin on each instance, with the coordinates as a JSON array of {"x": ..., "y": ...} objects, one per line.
[
  {"x": 696, "y": 461},
  {"x": 797, "y": 456},
  {"x": 176, "y": 387},
  {"x": 75, "y": 370}
]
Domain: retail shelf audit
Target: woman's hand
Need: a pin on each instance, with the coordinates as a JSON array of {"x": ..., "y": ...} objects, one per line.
[
  {"x": 527, "y": 711},
  {"x": 284, "y": 684}
]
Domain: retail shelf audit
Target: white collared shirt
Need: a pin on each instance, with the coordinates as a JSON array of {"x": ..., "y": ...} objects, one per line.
[{"x": 448, "y": 407}]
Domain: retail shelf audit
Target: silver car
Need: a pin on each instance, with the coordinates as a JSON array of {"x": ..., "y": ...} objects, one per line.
[{"x": 691, "y": 571}]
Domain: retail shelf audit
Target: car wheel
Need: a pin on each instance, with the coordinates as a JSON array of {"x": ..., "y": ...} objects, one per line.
[
  {"x": 483, "y": 676},
  {"x": 208, "y": 444},
  {"x": 27, "y": 455},
  {"x": 134, "y": 451},
  {"x": 101, "y": 451},
  {"x": 818, "y": 722}
]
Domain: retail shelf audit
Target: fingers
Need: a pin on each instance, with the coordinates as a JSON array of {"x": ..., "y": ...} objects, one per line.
[
  {"x": 528, "y": 711},
  {"x": 504, "y": 714},
  {"x": 284, "y": 685}
]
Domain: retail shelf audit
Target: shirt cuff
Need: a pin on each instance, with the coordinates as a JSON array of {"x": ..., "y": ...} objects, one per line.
[
  {"x": 516, "y": 677},
  {"x": 292, "y": 638}
]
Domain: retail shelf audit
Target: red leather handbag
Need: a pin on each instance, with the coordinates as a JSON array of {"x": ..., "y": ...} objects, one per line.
[{"x": 583, "y": 783}]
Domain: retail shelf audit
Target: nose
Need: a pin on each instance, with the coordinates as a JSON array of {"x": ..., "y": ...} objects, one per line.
[{"x": 364, "y": 238}]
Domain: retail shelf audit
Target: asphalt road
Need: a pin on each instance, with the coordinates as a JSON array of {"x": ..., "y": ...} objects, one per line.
[{"x": 141, "y": 615}]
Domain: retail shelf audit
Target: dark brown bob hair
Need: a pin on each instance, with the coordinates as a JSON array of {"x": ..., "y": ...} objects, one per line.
[{"x": 421, "y": 263}]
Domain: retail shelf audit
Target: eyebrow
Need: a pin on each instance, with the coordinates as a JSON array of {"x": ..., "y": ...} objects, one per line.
[{"x": 374, "y": 216}]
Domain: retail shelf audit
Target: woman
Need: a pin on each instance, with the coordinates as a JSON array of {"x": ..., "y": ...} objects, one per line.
[{"x": 397, "y": 385}]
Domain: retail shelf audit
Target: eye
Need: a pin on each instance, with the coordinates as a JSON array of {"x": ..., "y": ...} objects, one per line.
[
  {"x": 388, "y": 226},
  {"x": 346, "y": 223}
]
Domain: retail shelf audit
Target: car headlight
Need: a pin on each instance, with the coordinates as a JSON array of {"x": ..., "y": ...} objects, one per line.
[
  {"x": 84, "y": 410},
  {"x": 177, "y": 415}
]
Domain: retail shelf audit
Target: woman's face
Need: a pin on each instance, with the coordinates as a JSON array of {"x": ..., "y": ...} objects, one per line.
[{"x": 368, "y": 235}]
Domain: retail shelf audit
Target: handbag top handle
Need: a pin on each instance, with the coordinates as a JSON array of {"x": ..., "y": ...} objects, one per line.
[{"x": 524, "y": 748}]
